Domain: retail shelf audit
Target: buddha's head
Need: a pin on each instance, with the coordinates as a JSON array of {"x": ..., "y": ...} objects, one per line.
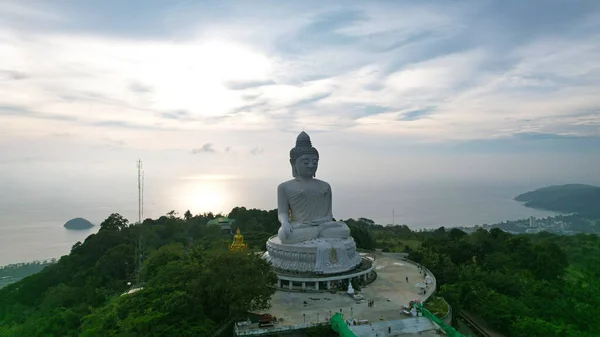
[{"x": 304, "y": 158}]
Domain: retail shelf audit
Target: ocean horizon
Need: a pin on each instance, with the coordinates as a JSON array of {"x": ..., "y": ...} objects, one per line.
[{"x": 33, "y": 230}]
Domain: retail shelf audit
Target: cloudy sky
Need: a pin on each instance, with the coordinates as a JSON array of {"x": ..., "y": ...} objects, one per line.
[{"x": 211, "y": 95}]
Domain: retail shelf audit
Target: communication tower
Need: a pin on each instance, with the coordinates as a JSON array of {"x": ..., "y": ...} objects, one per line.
[{"x": 140, "y": 246}]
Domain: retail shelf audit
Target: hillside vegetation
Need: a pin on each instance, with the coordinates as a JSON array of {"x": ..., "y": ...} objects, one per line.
[
  {"x": 192, "y": 284},
  {"x": 522, "y": 285}
]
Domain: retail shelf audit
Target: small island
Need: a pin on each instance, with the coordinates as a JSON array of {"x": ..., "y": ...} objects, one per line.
[{"x": 78, "y": 224}]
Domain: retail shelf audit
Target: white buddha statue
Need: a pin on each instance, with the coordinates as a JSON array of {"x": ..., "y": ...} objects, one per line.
[
  {"x": 304, "y": 203},
  {"x": 309, "y": 240}
]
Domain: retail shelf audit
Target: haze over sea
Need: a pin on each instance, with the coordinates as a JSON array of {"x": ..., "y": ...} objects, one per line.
[{"x": 32, "y": 227}]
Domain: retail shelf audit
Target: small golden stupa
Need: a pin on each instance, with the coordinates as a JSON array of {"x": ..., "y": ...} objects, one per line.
[{"x": 238, "y": 242}]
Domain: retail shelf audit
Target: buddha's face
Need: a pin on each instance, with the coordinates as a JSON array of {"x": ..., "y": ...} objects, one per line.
[{"x": 306, "y": 165}]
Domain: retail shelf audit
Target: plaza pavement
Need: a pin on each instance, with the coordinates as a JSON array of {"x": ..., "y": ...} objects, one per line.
[{"x": 389, "y": 291}]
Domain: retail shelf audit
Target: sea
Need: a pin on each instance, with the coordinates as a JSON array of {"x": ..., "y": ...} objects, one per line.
[{"x": 31, "y": 228}]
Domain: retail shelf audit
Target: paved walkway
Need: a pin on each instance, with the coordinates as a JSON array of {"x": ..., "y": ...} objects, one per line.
[
  {"x": 420, "y": 326},
  {"x": 389, "y": 291}
]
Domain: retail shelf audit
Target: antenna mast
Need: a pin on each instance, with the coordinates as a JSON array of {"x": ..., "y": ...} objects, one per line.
[
  {"x": 142, "y": 194},
  {"x": 140, "y": 188},
  {"x": 140, "y": 246}
]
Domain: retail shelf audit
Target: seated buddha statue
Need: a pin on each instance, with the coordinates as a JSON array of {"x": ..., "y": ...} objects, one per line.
[
  {"x": 304, "y": 203},
  {"x": 238, "y": 241}
]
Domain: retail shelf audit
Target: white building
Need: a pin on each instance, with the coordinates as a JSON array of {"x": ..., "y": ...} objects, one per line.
[{"x": 532, "y": 222}]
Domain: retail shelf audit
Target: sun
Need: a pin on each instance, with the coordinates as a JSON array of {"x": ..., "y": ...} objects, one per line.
[{"x": 204, "y": 196}]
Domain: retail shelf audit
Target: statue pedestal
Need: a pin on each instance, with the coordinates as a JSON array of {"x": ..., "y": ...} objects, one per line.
[{"x": 318, "y": 256}]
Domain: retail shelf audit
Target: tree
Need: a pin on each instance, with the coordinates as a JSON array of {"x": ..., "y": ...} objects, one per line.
[
  {"x": 548, "y": 261},
  {"x": 363, "y": 237},
  {"x": 246, "y": 285},
  {"x": 114, "y": 222}
]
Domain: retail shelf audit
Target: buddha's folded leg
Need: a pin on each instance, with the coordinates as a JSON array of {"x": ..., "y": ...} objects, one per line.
[
  {"x": 300, "y": 234},
  {"x": 334, "y": 229}
]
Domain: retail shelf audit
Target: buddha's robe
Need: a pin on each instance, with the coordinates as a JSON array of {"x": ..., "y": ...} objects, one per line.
[{"x": 311, "y": 212}]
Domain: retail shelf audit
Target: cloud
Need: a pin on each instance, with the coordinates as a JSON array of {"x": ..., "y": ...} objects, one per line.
[
  {"x": 206, "y": 148},
  {"x": 323, "y": 30},
  {"x": 257, "y": 106},
  {"x": 390, "y": 91},
  {"x": 61, "y": 134},
  {"x": 369, "y": 69},
  {"x": 242, "y": 85},
  {"x": 546, "y": 136},
  {"x": 255, "y": 151},
  {"x": 34, "y": 159},
  {"x": 311, "y": 100},
  {"x": 7, "y": 75},
  {"x": 115, "y": 142},
  {"x": 414, "y": 114},
  {"x": 18, "y": 111},
  {"x": 126, "y": 125},
  {"x": 140, "y": 88},
  {"x": 177, "y": 115}
]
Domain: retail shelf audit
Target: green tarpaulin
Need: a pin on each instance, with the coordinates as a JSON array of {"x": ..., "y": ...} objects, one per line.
[
  {"x": 338, "y": 325},
  {"x": 450, "y": 331}
]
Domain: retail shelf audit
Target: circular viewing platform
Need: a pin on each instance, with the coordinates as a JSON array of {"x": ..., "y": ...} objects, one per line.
[
  {"x": 310, "y": 282},
  {"x": 398, "y": 282}
]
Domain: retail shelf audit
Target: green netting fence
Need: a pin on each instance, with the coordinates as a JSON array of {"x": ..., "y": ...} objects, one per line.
[
  {"x": 339, "y": 325},
  {"x": 450, "y": 331}
]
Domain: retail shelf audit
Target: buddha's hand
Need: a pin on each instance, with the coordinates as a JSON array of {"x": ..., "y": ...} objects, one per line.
[{"x": 287, "y": 230}]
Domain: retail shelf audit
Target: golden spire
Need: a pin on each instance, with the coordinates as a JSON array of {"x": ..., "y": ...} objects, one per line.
[{"x": 238, "y": 242}]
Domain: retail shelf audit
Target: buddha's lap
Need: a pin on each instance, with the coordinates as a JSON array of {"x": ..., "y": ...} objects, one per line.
[
  {"x": 335, "y": 232},
  {"x": 334, "y": 229},
  {"x": 299, "y": 235},
  {"x": 321, "y": 226}
]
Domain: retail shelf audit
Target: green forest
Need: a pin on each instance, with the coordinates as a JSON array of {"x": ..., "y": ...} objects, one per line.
[{"x": 522, "y": 285}]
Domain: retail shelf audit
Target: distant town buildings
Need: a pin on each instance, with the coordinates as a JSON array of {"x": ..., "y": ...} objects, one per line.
[
  {"x": 557, "y": 225},
  {"x": 533, "y": 225}
]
